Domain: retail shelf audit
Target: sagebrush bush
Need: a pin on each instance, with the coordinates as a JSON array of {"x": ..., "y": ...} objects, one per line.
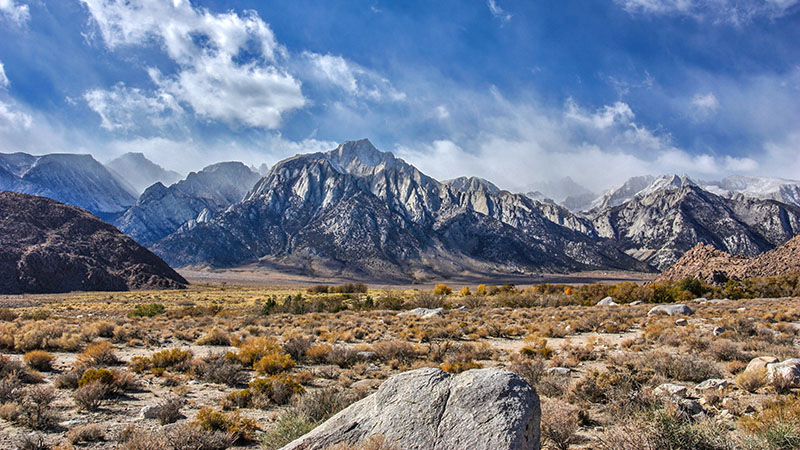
[
  {"x": 215, "y": 337},
  {"x": 241, "y": 428},
  {"x": 290, "y": 426},
  {"x": 274, "y": 363},
  {"x": 39, "y": 360},
  {"x": 559, "y": 424},
  {"x": 216, "y": 368},
  {"x": 98, "y": 355},
  {"x": 35, "y": 409},
  {"x": 147, "y": 310},
  {"x": 172, "y": 359},
  {"x": 752, "y": 380},
  {"x": 91, "y": 395}
]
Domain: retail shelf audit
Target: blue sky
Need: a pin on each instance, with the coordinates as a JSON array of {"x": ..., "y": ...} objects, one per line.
[{"x": 519, "y": 92}]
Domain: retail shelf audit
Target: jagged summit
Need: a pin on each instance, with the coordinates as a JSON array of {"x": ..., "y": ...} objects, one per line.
[
  {"x": 162, "y": 210},
  {"x": 469, "y": 184},
  {"x": 138, "y": 172}
]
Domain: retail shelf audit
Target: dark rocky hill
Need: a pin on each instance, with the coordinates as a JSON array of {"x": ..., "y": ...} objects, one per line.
[{"x": 47, "y": 246}]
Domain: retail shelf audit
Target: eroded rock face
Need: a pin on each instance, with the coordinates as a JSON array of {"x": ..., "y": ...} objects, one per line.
[{"x": 431, "y": 409}]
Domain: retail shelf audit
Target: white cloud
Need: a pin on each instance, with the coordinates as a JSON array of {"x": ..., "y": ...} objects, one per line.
[
  {"x": 524, "y": 145},
  {"x": 12, "y": 119},
  {"x": 736, "y": 12},
  {"x": 497, "y": 11},
  {"x": 605, "y": 117},
  {"x": 353, "y": 79},
  {"x": 4, "y": 83},
  {"x": 705, "y": 105},
  {"x": 230, "y": 65},
  {"x": 123, "y": 108},
  {"x": 10, "y": 9}
]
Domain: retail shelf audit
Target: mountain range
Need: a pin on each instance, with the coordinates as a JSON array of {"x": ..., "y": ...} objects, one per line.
[{"x": 356, "y": 211}]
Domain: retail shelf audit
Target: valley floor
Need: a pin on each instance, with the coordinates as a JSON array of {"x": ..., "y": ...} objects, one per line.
[
  {"x": 249, "y": 276},
  {"x": 597, "y": 368}
]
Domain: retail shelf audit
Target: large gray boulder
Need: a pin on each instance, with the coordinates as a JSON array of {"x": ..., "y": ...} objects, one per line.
[
  {"x": 789, "y": 370},
  {"x": 671, "y": 310},
  {"x": 431, "y": 409}
]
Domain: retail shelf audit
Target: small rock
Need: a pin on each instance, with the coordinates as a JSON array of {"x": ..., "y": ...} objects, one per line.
[
  {"x": 671, "y": 390},
  {"x": 193, "y": 382},
  {"x": 72, "y": 422},
  {"x": 729, "y": 403},
  {"x": 608, "y": 301},
  {"x": 760, "y": 362},
  {"x": 749, "y": 409},
  {"x": 425, "y": 313},
  {"x": 789, "y": 370},
  {"x": 700, "y": 300},
  {"x": 718, "y": 330},
  {"x": 149, "y": 412},
  {"x": 562, "y": 371},
  {"x": 691, "y": 406},
  {"x": 717, "y": 384},
  {"x": 461, "y": 308},
  {"x": 742, "y": 309},
  {"x": 637, "y": 302},
  {"x": 681, "y": 322},
  {"x": 366, "y": 355},
  {"x": 671, "y": 310}
]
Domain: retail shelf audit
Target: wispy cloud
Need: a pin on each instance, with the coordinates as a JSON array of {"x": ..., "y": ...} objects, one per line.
[
  {"x": 4, "y": 83},
  {"x": 705, "y": 105},
  {"x": 497, "y": 11},
  {"x": 15, "y": 12},
  {"x": 737, "y": 12}
]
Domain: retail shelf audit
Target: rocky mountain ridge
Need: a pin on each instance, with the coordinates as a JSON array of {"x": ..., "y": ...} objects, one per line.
[
  {"x": 361, "y": 210},
  {"x": 69, "y": 178},
  {"x": 162, "y": 210}
]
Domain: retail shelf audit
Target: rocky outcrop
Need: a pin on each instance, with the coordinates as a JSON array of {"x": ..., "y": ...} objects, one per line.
[
  {"x": 46, "y": 246},
  {"x": 706, "y": 263},
  {"x": 431, "y": 409}
]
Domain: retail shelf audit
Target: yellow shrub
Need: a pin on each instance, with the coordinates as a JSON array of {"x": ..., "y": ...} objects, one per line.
[
  {"x": 240, "y": 427},
  {"x": 481, "y": 289},
  {"x": 274, "y": 363},
  {"x": 99, "y": 354},
  {"x": 39, "y": 360},
  {"x": 255, "y": 348},
  {"x": 442, "y": 289},
  {"x": 465, "y": 291},
  {"x": 458, "y": 367}
]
